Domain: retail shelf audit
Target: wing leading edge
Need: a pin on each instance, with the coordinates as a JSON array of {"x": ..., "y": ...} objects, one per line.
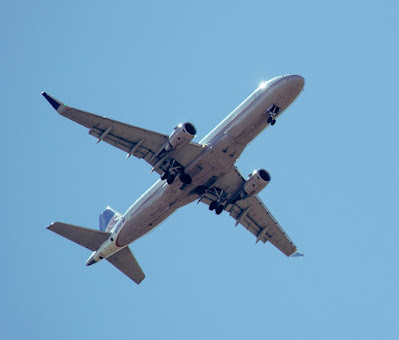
[{"x": 135, "y": 141}]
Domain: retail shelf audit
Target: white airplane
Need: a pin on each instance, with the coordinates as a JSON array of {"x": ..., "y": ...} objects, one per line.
[{"x": 189, "y": 171}]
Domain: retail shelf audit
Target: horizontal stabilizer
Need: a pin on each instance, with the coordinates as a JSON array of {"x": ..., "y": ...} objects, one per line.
[
  {"x": 127, "y": 264},
  {"x": 88, "y": 238}
]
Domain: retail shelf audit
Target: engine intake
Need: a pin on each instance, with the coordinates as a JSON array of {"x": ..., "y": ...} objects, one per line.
[
  {"x": 255, "y": 183},
  {"x": 182, "y": 135}
]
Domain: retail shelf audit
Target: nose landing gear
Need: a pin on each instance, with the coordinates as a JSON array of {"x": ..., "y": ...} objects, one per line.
[{"x": 273, "y": 111}]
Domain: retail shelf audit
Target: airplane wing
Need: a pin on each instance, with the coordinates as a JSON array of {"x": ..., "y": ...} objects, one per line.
[
  {"x": 251, "y": 213},
  {"x": 133, "y": 140}
]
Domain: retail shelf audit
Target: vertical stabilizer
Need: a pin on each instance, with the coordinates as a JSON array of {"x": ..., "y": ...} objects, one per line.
[{"x": 108, "y": 219}]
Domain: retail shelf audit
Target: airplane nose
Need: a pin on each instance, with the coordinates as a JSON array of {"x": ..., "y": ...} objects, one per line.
[
  {"x": 297, "y": 80},
  {"x": 290, "y": 86}
]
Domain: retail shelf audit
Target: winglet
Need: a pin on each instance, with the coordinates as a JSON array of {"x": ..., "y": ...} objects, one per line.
[
  {"x": 297, "y": 254},
  {"x": 54, "y": 102}
]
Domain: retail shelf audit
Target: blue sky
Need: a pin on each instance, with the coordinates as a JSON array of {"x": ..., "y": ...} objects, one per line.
[{"x": 332, "y": 157}]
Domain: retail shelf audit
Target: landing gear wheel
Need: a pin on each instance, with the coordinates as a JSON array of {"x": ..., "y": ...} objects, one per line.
[
  {"x": 165, "y": 175},
  {"x": 186, "y": 179},
  {"x": 213, "y": 205},
  {"x": 171, "y": 179},
  {"x": 273, "y": 122},
  {"x": 219, "y": 209},
  {"x": 269, "y": 120}
]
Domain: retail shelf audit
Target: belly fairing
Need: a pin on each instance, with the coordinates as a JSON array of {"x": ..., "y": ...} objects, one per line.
[{"x": 153, "y": 210}]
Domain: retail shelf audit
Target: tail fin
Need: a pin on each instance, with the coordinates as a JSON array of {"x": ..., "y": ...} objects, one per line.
[
  {"x": 127, "y": 264},
  {"x": 108, "y": 219},
  {"x": 88, "y": 238}
]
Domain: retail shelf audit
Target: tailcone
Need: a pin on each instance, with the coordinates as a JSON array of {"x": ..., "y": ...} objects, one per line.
[
  {"x": 92, "y": 259},
  {"x": 90, "y": 262}
]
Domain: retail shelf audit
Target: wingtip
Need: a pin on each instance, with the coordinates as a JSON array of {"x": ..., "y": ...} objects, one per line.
[
  {"x": 54, "y": 103},
  {"x": 139, "y": 281},
  {"x": 297, "y": 254},
  {"x": 52, "y": 225}
]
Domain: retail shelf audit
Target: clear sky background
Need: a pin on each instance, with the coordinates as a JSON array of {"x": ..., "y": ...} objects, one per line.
[{"x": 333, "y": 158}]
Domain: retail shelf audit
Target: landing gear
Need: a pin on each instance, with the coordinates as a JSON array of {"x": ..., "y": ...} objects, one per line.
[
  {"x": 168, "y": 176},
  {"x": 213, "y": 205},
  {"x": 165, "y": 175},
  {"x": 273, "y": 112},
  {"x": 171, "y": 179},
  {"x": 271, "y": 120},
  {"x": 217, "y": 207},
  {"x": 219, "y": 204},
  {"x": 186, "y": 179}
]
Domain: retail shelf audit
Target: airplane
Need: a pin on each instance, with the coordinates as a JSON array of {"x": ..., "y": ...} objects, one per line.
[{"x": 203, "y": 172}]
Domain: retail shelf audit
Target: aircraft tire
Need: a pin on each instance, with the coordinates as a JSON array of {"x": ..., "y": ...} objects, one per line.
[
  {"x": 213, "y": 205},
  {"x": 165, "y": 175},
  {"x": 186, "y": 179},
  {"x": 219, "y": 209},
  {"x": 273, "y": 122},
  {"x": 269, "y": 120},
  {"x": 171, "y": 179}
]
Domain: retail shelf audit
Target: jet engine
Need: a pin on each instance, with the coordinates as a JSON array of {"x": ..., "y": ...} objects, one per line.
[
  {"x": 182, "y": 135},
  {"x": 255, "y": 183}
]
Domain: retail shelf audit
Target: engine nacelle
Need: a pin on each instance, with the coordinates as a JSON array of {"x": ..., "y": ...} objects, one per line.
[
  {"x": 255, "y": 183},
  {"x": 182, "y": 135}
]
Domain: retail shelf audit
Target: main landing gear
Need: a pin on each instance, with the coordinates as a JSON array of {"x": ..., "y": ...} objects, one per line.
[
  {"x": 273, "y": 111},
  {"x": 219, "y": 204},
  {"x": 171, "y": 176},
  {"x": 217, "y": 207}
]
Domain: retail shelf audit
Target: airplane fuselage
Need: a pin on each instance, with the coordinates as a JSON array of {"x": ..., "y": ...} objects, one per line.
[{"x": 221, "y": 149}]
